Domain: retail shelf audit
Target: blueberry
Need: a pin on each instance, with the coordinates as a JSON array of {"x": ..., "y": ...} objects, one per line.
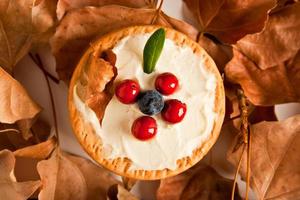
[{"x": 150, "y": 102}]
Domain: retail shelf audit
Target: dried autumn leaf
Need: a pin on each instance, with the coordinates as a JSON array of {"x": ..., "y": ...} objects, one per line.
[
  {"x": 38, "y": 151},
  {"x": 230, "y": 20},
  {"x": 267, "y": 64},
  {"x": 271, "y": 86},
  {"x": 64, "y": 6},
  {"x": 94, "y": 89},
  {"x": 255, "y": 113},
  {"x": 22, "y": 23},
  {"x": 117, "y": 192},
  {"x": 16, "y": 105},
  {"x": 200, "y": 182},
  {"x": 80, "y": 26},
  {"x": 274, "y": 159},
  {"x": 11, "y": 139},
  {"x": 9, "y": 188},
  {"x": 70, "y": 177},
  {"x": 278, "y": 42},
  {"x": 221, "y": 54}
]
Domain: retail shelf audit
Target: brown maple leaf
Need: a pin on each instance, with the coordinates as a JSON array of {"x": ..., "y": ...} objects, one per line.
[
  {"x": 22, "y": 22},
  {"x": 64, "y": 6},
  {"x": 80, "y": 26},
  {"x": 70, "y": 177},
  {"x": 10, "y": 189},
  {"x": 275, "y": 147},
  {"x": 199, "y": 182},
  {"x": 230, "y": 20}
]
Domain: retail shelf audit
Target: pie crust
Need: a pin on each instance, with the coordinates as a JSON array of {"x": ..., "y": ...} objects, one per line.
[{"x": 91, "y": 142}]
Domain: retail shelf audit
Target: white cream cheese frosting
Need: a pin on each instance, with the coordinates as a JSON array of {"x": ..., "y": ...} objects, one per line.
[{"x": 197, "y": 87}]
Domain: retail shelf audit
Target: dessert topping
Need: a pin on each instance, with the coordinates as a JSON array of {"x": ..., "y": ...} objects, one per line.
[
  {"x": 174, "y": 111},
  {"x": 166, "y": 83},
  {"x": 127, "y": 91},
  {"x": 152, "y": 50},
  {"x": 150, "y": 102},
  {"x": 144, "y": 128}
]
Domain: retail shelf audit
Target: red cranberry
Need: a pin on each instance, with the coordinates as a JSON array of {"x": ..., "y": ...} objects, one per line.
[
  {"x": 166, "y": 83},
  {"x": 127, "y": 91},
  {"x": 144, "y": 128},
  {"x": 174, "y": 111}
]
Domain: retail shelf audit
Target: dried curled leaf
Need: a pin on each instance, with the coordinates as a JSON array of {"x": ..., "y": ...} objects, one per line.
[
  {"x": 275, "y": 159},
  {"x": 15, "y": 104},
  {"x": 38, "y": 151},
  {"x": 70, "y": 177},
  {"x": 271, "y": 86},
  {"x": 64, "y": 6},
  {"x": 267, "y": 64},
  {"x": 117, "y": 192},
  {"x": 94, "y": 85},
  {"x": 9, "y": 188},
  {"x": 200, "y": 182},
  {"x": 278, "y": 42},
  {"x": 22, "y": 23},
  {"x": 11, "y": 139},
  {"x": 255, "y": 113},
  {"x": 229, "y": 21},
  {"x": 80, "y": 26},
  {"x": 221, "y": 54}
]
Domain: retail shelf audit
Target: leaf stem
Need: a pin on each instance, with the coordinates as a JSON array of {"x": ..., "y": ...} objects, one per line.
[
  {"x": 157, "y": 13},
  {"x": 236, "y": 173},
  {"x": 243, "y": 139},
  {"x": 53, "y": 78},
  {"x": 248, "y": 163},
  {"x": 37, "y": 60}
]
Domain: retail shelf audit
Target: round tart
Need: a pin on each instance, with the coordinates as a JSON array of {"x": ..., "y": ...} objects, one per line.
[{"x": 103, "y": 124}]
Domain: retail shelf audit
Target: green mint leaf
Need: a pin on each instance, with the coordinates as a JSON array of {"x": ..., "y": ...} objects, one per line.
[{"x": 152, "y": 50}]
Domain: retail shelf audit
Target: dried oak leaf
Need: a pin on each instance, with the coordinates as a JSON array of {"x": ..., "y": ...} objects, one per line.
[
  {"x": 16, "y": 105},
  {"x": 64, "y": 6},
  {"x": 118, "y": 192},
  {"x": 80, "y": 26},
  {"x": 22, "y": 22},
  {"x": 230, "y": 20},
  {"x": 275, "y": 158},
  {"x": 200, "y": 182},
  {"x": 69, "y": 177},
  {"x": 9, "y": 188}
]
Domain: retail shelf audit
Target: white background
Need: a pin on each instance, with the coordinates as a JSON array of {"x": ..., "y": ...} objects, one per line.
[{"x": 33, "y": 80}]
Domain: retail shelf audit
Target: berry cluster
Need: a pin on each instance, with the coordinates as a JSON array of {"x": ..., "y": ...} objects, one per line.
[{"x": 151, "y": 102}]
